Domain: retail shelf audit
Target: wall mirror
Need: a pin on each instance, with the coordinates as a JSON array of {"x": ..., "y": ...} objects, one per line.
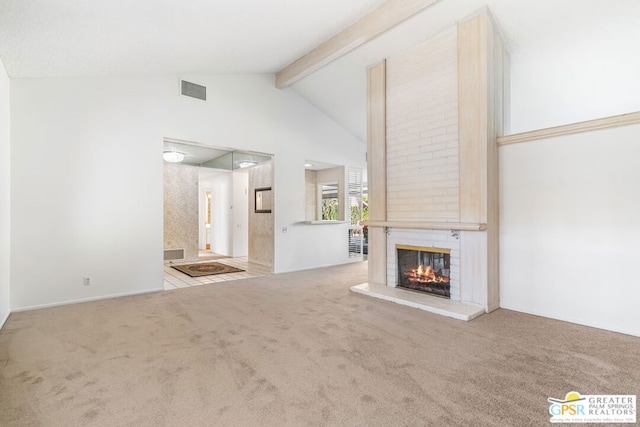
[{"x": 262, "y": 197}]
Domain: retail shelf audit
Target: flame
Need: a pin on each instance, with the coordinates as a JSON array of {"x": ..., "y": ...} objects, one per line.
[{"x": 427, "y": 275}]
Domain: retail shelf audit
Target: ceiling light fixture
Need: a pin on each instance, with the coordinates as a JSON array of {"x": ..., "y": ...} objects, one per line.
[
  {"x": 246, "y": 164},
  {"x": 172, "y": 156},
  {"x": 307, "y": 165}
]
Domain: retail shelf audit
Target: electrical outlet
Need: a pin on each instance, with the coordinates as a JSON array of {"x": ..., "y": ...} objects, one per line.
[
  {"x": 284, "y": 229},
  {"x": 86, "y": 281}
]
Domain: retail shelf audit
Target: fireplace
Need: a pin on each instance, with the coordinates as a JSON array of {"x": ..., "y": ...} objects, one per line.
[{"x": 424, "y": 269}]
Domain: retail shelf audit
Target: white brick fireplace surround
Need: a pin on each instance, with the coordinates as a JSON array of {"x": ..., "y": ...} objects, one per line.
[{"x": 434, "y": 114}]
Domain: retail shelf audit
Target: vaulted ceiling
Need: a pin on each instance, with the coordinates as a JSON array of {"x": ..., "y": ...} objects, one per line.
[
  {"x": 567, "y": 27},
  {"x": 65, "y": 38},
  {"x": 54, "y": 38}
]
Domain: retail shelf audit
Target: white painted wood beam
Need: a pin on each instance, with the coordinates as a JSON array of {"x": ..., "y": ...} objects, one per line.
[{"x": 383, "y": 18}]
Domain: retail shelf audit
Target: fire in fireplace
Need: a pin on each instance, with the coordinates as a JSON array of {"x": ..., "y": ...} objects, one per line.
[{"x": 424, "y": 269}]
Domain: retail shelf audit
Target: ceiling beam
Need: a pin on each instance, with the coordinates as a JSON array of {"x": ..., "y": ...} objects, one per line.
[{"x": 383, "y": 18}]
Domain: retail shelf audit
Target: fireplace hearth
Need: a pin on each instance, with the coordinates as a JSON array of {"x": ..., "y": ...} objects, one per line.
[{"x": 424, "y": 269}]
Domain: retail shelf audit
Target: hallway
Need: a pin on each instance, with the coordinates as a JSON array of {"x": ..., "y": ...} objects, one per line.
[{"x": 173, "y": 279}]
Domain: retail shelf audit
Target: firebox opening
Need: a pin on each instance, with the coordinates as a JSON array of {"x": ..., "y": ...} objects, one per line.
[{"x": 424, "y": 269}]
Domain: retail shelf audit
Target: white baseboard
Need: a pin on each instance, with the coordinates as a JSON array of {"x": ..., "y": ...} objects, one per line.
[
  {"x": 613, "y": 328},
  {"x": 349, "y": 261},
  {"x": 3, "y": 321},
  {"x": 78, "y": 301}
]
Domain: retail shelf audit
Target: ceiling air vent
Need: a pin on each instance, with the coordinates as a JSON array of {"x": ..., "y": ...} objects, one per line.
[{"x": 193, "y": 90}]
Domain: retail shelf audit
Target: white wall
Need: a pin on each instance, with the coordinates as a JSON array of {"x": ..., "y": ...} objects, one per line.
[
  {"x": 87, "y": 175},
  {"x": 90, "y": 148},
  {"x": 570, "y": 236},
  {"x": 340, "y": 89},
  {"x": 5, "y": 197},
  {"x": 568, "y": 205},
  {"x": 587, "y": 69},
  {"x": 322, "y": 245}
]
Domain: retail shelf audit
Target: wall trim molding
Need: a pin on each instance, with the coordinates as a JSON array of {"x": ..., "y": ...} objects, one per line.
[
  {"x": 381, "y": 19},
  {"x": 573, "y": 128}
]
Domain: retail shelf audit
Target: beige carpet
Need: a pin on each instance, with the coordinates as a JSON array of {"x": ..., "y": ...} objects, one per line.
[{"x": 296, "y": 350}]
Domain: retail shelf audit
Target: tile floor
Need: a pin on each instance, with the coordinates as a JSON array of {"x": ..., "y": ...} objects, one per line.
[{"x": 173, "y": 279}]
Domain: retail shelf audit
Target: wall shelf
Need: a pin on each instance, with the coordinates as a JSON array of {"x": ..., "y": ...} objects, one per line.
[
  {"x": 323, "y": 222},
  {"x": 570, "y": 129}
]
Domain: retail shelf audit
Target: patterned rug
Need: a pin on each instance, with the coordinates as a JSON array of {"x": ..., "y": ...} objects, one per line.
[{"x": 205, "y": 269}]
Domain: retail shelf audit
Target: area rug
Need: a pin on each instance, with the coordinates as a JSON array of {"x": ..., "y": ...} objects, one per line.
[{"x": 205, "y": 269}]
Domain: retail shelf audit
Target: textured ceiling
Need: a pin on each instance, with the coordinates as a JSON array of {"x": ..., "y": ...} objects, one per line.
[{"x": 57, "y": 38}]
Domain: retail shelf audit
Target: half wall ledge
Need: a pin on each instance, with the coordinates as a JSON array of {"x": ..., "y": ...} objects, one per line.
[
  {"x": 445, "y": 307},
  {"x": 425, "y": 225}
]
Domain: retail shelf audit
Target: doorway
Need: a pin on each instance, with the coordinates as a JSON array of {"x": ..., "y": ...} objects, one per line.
[
  {"x": 223, "y": 213},
  {"x": 206, "y": 203},
  {"x": 207, "y": 220}
]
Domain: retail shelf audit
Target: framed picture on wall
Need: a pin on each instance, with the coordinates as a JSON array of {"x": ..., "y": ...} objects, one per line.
[{"x": 262, "y": 198}]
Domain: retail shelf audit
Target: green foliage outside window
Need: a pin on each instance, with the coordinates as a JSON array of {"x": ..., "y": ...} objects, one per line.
[{"x": 329, "y": 209}]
